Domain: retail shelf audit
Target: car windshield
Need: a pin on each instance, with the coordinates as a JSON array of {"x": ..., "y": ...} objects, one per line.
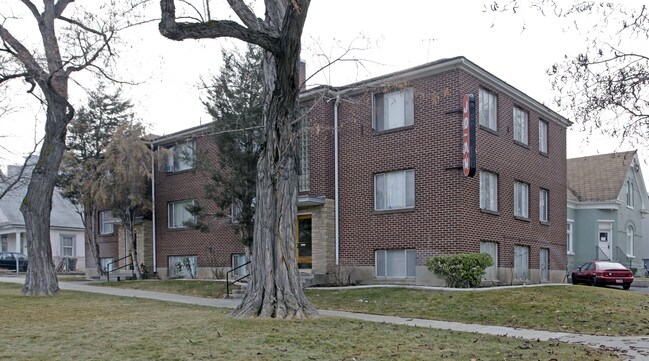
[{"x": 609, "y": 265}]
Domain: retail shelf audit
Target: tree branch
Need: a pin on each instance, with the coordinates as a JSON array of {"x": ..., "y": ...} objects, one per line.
[
  {"x": 212, "y": 29},
  {"x": 33, "y": 9},
  {"x": 22, "y": 54},
  {"x": 60, "y": 7},
  {"x": 248, "y": 18},
  {"x": 20, "y": 174}
]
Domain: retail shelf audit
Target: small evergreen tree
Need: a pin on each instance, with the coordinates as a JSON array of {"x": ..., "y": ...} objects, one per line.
[
  {"x": 89, "y": 134},
  {"x": 235, "y": 101}
]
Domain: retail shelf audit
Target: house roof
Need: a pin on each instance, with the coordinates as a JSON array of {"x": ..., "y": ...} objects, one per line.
[
  {"x": 598, "y": 177},
  {"x": 63, "y": 214},
  {"x": 437, "y": 67}
]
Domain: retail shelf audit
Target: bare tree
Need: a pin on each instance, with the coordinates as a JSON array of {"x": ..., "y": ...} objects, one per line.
[
  {"x": 275, "y": 289},
  {"x": 605, "y": 85},
  {"x": 72, "y": 40}
]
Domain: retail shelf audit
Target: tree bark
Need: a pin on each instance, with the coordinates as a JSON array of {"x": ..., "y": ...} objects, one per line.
[
  {"x": 37, "y": 204},
  {"x": 90, "y": 229}
]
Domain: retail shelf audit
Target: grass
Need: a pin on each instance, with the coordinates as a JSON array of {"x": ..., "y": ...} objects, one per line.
[
  {"x": 208, "y": 289},
  {"x": 579, "y": 309},
  {"x": 85, "y": 326}
]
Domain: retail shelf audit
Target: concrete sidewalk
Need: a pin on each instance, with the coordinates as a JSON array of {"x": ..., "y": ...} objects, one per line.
[{"x": 634, "y": 348}]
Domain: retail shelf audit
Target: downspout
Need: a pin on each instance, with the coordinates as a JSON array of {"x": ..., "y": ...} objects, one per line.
[
  {"x": 336, "y": 182},
  {"x": 155, "y": 263}
]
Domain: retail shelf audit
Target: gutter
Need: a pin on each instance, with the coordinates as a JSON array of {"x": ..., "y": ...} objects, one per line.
[
  {"x": 336, "y": 181},
  {"x": 153, "y": 224}
]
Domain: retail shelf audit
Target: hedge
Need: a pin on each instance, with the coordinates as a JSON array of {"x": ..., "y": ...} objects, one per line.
[{"x": 460, "y": 270}]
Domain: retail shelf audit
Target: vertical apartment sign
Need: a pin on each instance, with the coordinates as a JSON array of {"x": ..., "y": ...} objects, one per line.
[{"x": 468, "y": 135}]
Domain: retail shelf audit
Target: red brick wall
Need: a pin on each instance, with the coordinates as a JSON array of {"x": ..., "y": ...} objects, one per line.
[
  {"x": 446, "y": 217},
  {"x": 186, "y": 185},
  {"x": 321, "y": 148}
]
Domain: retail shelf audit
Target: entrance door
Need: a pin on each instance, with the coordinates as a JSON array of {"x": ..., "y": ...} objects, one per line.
[
  {"x": 304, "y": 243},
  {"x": 604, "y": 241}
]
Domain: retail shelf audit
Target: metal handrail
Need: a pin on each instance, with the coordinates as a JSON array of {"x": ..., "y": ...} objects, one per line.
[
  {"x": 106, "y": 268},
  {"x": 227, "y": 278},
  {"x": 623, "y": 258}
]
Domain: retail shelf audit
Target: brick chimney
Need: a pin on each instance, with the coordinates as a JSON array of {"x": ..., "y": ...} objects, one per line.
[{"x": 302, "y": 75}]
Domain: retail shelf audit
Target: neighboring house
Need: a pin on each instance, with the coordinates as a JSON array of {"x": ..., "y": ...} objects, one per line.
[
  {"x": 381, "y": 184},
  {"x": 66, "y": 229},
  {"x": 607, "y": 205}
]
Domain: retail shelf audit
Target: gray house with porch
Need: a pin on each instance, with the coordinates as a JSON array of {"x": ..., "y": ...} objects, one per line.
[{"x": 607, "y": 204}]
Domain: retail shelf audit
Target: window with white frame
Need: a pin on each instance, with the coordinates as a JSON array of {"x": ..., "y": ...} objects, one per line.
[
  {"x": 181, "y": 158},
  {"x": 303, "y": 155},
  {"x": 183, "y": 266},
  {"x": 393, "y": 110},
  {"x": 487, "y": 110},
  {"x": 543, "y": 136},
  {"x": 397, "y": 263},
  {"x": 490, "y": 248},
  {"x": 488, "y": 191},
  {"x": 521, "y": 195},
  {"x": 629, "y": 240},
  {"x": 235, "y": 210},
  {"x": 543, "y": 205},
  {"x": 569, "y": 236},
  {"x": 4, "y": 243},
  {"x": 67, "y": 245},
  {"x": 239, "y": 260},
  {"x": 520, "y": 125},
  {"x": 521, "y": 263},
  {"x": 544, "y": 264},
  {"x": 629, "y": 194},
  {"x": 106, "y": 263},
  {"x": 177, "y": 213},
  {"x": 394, "y": 190},
  {"x": 106, "y": 222}
]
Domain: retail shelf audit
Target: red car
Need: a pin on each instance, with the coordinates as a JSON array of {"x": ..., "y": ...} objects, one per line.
[{"x": 603, "y": 273}]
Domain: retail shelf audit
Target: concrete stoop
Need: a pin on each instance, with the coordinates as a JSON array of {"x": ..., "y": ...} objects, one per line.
[{"x": 239, "y": 292}]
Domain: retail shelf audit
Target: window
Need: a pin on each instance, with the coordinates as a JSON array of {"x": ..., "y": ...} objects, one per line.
[
  {"x": 490, "y": 248},
  {"x": 629, "y": 241},
  {"x": 488, "y": 191},
  {"x": 543, "y": 205},
  {"x": 235, "y": 211},
  {"x": 106, "y": 263},
  {"x": 183, "y": 266},
  {"x": 393, "y": 110},
  {"x": 238, "y": 260},
  {"x": 4, "y": 241},
  {"x": 181, "y": 158},
  {"x": 67, "y": 246},
  {"x": 520, "y": 126},
  {"x": 303, "y": 155},
  {"x": 521, "y": 191},
  {"x": 394, "y": 190},
  {"x": 488, "y": 109},
  {"x": 569, "y": 230},
  {"x": 106, "y": 222},
  {"x": 543, "y": 137},
  {"x": 521, "y": 263},
  {"x": 398, "y": 263},
  {"x": 178, "y": 213},
  {"x": 544, "y": 264},
  {"x": 629, "y": 194}
]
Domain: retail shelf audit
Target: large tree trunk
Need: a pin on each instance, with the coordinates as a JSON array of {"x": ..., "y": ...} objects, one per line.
[
  {"x": 275, "y": 288},
  {"x": 37, "y": 204}
]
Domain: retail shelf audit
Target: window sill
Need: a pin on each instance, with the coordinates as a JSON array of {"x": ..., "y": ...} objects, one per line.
[
  {"x": 178, "y": 228},
  {"x": 630, "y": 256},
  {"x": 526, "y": 146},
  {"x": 570, "y": 253},
  {"x": 392, "y": 130},
  {"x": 396, "y": 210},
  {"x": 629, "y": 207},
  {"x": 178, "y": 171},
  {"x": 489, "y": 130},
  {"x": 106, "y": 234},
  {"x": 524, "y": 219},
  {"x": 395, "y": 278},
  {"x": 544, "y": 223},
  {"x": 488, "y": 211},
  {"x": 544, "y": 154}
]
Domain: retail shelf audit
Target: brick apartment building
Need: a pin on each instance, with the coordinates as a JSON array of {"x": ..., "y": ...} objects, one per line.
[{"x": 382, "y": 185}]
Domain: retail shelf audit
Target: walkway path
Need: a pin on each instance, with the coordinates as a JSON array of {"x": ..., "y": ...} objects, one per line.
[{"x": 635, "y": 348}]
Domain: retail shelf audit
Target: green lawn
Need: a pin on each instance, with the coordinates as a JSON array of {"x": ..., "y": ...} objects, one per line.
[
  {"x": 208, "y": 289},
  {"x": 86, "y": 326},
  {"x": 581, "y": 309}
]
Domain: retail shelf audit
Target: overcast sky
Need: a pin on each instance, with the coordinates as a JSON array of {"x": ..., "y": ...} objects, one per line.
[{"x": 388, "y": 37}]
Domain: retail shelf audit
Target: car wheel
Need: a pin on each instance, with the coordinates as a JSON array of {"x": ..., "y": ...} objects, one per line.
[
  {"x": 593, "y": 281},
  {"x": 626, "y": 286},
  {"x": 574, "y": 279}
]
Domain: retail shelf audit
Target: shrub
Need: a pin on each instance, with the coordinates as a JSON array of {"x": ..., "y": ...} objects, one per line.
[{"x": 460, "y": 270}]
